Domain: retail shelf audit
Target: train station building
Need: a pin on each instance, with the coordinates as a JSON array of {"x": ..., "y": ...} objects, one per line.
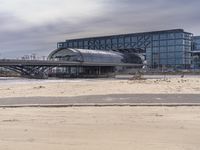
[
  {"x": 196, "y": 52},
  {"x": 93, "y": 63},
  {"x": 162, "y": 49}
]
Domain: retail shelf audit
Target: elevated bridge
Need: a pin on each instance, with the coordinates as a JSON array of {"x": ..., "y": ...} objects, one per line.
[{"x": 39, "y": 68}]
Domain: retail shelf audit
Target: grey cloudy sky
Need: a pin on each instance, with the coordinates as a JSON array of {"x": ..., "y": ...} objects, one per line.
[{"x": 35, "y": 26}]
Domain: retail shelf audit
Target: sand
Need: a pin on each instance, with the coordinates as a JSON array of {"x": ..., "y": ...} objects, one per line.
[
  {"x": 71, "y": 88},
  {"x": 100, "y": 128}
]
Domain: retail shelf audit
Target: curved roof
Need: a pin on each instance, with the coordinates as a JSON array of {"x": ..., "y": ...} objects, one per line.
[{"x": 84, "y": 55}]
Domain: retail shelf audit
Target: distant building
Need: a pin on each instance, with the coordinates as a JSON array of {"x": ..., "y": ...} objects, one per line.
[
  {"x": 196, "y": 52},
  {"x": 196, "y": 43},
  {"x": 96, "y": 63},
  {"x": 168, "y": 48}
]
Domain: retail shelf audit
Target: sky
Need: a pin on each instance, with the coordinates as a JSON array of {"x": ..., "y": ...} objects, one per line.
[{"x": 35, "y": 26}]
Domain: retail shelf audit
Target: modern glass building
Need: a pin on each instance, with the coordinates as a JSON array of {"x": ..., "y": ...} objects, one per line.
[
  {"x": 196, "y": 52},
  {"x": 196, "y": 43},
  {"x": 168, "y": 48},
  {"x": 94, "y": 63}
]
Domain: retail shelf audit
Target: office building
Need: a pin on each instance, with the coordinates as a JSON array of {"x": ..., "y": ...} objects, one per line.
[{"x": 162, "y": 49}]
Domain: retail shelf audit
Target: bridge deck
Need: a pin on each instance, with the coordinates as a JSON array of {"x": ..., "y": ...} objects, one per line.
[
  {"x": 38, "y": 68},
  {"x": 51, "y": 63}
]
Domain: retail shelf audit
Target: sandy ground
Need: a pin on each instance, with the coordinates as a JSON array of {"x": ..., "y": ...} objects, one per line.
[
  {"x": 70, "y": 88},
  {"x": 100, "y": 128}
]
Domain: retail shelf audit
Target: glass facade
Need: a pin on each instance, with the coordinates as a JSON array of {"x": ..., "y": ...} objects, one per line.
[
  {"x": 196, "y": 52},
  {"x": 196, "y": 43},
  {"x": 172, "y": 49},
  {"x": 169, "y": 48}
]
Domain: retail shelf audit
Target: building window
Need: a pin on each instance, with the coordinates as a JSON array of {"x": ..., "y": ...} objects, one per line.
[
  {"x": 179, "y": 61},
  {"x": 102, "y": 42},
  {"x": 66, "y": 44},
  {"x": 85, "y": 43},
  {"x": 163, "y": 49},
  {"x": 171, "y": 55},
  {"x": 134, "y": 39},
  {"x": 156, "y": 37},
  {"x": 180, "y": 42},
  {"x": 187, "y": 48},
  {"x": 187, "y": 36},
  {"x": 171, "y": 42},
  {"x": 70, "y": 44},
  {"x": 171, "y": 36},
  {"x": 171, "y": 61},
  {"x": 163, "y": 61},
  {"x": 75, "y": 44},
  {"x": 108, "y": 41},
  {"x": 179, "y": 48},
  {"x": 127, "y": 39},
  {"x": 171, "y": 48},
  {"x": 114, "y": 41},
  {"x": 163, "y": 36},
  {"x": 156, "y": 49},
  {"x": 80, "y": 44},
  {"x": 179, "y": 54},
  {"x": 163, "y": 55},
  {"x": 155, "y": 43},
  {"x": 179, "y": 35},
  {"x": 163, "y": 43},
  {"x": 121, "y": 40}
]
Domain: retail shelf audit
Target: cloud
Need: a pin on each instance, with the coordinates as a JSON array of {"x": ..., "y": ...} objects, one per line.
[
  {"x": 142, "y": 15},
  {"x": 40, "y": 11},
  {"x": 36, "y": 26}
]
